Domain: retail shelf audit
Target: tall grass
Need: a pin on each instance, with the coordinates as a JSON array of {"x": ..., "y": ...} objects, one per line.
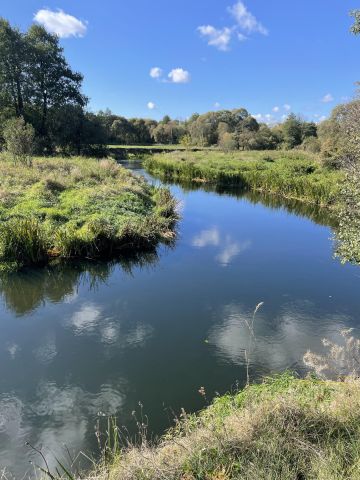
[
  {"x": 78, "y": 208},
  {"x": 293, "y": 175},
  {"x": 282, "y": 429}
]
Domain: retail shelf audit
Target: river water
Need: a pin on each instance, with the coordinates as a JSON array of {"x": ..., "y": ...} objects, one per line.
[{"x": 113, "y": 338}]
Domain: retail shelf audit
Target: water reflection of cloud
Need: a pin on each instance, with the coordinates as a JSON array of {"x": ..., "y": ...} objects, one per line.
[
  {"x": 47, "y": 351},
  {"x": 280, "y": 342},
  {"x": 86, "y": 318},
  {"x": 231, "y": 250},
  {"x": 230, "y": 247},
  {"x": 13, "y": 349},
  {"x": 207, "y": 238},
  {"x": 65, "y": 411}
]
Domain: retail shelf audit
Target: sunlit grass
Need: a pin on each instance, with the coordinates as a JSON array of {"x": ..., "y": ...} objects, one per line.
[
  {"x": 77, "y": 208},
  {"x": 284, "y": 428},
  {"x": 291, "y": 174}
]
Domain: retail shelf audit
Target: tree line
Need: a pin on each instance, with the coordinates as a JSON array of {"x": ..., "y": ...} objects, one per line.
[{"x": 41, "y": 101}]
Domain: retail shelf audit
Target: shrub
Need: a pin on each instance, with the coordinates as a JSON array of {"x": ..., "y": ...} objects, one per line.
[{"x": 19, "y": 140}]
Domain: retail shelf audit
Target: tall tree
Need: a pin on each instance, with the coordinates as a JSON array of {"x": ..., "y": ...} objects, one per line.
[
  {"x": 13, "y": 61},
  {"x": 52, "y": 83}
]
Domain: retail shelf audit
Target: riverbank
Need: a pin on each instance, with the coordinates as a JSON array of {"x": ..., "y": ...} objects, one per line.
[
  {"x": 78, "y": 207},
  {"x": 290, "y": 174},
  {"x": 283, "y": 428}
]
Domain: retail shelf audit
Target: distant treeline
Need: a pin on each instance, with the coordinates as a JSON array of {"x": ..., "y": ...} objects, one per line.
[{"x": 37, "y": 84}]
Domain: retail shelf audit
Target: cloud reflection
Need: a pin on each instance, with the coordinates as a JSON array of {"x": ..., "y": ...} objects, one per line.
[
  {"x": 229, "y": 248},
  {"x": 280, "y": 341}
]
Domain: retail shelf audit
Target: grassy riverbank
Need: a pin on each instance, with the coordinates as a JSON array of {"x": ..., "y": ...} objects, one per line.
[
  {"x": 290, "y": 174},
  {"x": 284, "y": 428},
  {"x": 77, "y": 207}
]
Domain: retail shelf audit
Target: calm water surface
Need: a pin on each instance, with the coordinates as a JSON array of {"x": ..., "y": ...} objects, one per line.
[{"x": 80, "y": 339}]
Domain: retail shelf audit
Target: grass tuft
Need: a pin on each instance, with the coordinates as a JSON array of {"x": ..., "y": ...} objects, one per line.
[{"x": 78, "y": 208}]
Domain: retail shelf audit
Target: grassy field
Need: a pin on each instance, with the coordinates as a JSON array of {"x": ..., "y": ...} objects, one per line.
[
  {"x": 291, "y": 174},
  {"x": 156, "y": 147},
  {"x": 78, "y": 208},
  {"x": 282, "y": 429}
]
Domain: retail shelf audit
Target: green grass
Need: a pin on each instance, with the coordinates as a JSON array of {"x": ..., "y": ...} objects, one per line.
[
  {"x": 78, "y": 208},
  {"x": 155, "y": 147},
  {"x": 282, "y": 429},
  {"x": 290, "y": 174}
]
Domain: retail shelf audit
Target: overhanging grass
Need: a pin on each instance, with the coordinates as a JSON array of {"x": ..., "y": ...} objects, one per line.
[
  {"x": 282, "y": 429},
  {"x": 291, "y": 174},
  {"x": 78, "y": 208}
]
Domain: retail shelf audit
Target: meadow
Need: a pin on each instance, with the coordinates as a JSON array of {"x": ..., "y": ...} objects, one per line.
[
  {"x": 290, "y": 174},
  {"x": 78, "y": 207}
]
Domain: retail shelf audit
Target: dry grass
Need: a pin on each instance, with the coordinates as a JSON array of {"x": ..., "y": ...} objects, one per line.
[{"x": 283, "y": 429}]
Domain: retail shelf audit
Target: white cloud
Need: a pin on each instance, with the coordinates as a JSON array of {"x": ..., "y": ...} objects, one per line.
[
  {"x": 287, "y": 107},
  {"x": 218, "y": 38},
  {"x": 156, "y": 72},
  {"x": 60, "y": 23},
  {"x": 217, "y": 105},
  {"x": 246, "y": 19},
  {"x": 276, "y": 109},
  {"x": 268, "y": 118},
  {"x": 179, "y": 75},
  {"x": 327, "y": 98},
  {"x": 151, "y": 105}
]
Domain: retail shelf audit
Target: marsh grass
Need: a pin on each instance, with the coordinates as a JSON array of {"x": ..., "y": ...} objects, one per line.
[
  {"x": 78, "y": 208},
  {"x": 290, "y": 174}
]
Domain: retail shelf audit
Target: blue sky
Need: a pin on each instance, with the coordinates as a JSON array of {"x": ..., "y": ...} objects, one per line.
[{"x": 267, "y": 56}]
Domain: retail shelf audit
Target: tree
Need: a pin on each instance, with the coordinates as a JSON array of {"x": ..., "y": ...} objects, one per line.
[
  {"x": 355, "y": 28},
  {"x": 13, "y": 61},
  {"x": 227, "y": 142},
  {"x": 19, "y": 140},
  {"x": 52, "y": 84},
  {"x": 292, "y": 131}
]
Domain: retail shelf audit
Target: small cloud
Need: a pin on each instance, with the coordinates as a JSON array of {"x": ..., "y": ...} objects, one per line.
[
  {"x": 276, "y": 109},
  {"x": 287, "y": 107},
  {"x": 60, "y": 23},
  {"x": 179, "y": 75},
  {"x": 156, "y": 72},
  {"x": 246, "y": 20},
  {"x": 268, "y": 118},
  {"x": 219, "y": 39},
  {"x": 151, "y": 105},
  {"x": 217, "y": 105},
  {"x": 327, "y": 98}
]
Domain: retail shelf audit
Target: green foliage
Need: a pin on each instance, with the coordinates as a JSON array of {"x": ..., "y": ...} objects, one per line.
[
  {"x": 19, "y": 140},
  {"x": 37, "y": 83},
  {"x": 84, "y": 208},
  {"x": 296, "y": 175}
]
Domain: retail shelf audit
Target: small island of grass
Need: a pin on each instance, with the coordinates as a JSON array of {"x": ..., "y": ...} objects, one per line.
[{"x": 78, "y": 207}]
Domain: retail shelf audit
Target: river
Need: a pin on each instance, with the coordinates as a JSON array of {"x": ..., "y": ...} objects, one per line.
[{"x": 84, "y": 339}]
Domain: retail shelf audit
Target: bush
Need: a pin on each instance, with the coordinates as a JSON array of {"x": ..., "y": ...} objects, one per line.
[{"x": 19, "y": 140}]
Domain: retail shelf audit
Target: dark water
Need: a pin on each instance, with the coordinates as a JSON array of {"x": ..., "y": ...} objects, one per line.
[{"x": 85, "y": 338}]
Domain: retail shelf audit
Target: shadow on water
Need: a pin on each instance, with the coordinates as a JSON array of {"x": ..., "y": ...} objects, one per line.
[{"x": 28, "y": 289}]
